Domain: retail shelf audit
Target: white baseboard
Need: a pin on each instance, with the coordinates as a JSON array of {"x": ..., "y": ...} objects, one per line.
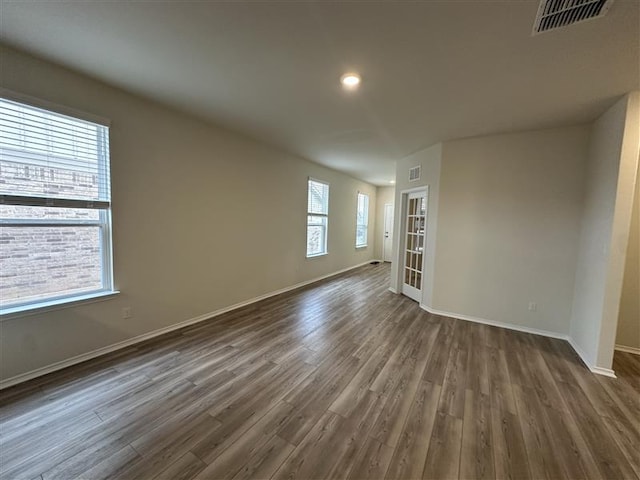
[
  {"x": 624, "y": 348},
  {"x": 607, "y": 372},
  {"x": 9, "y": 382},
  {"x": 546, "y": 333},
  {"x": 494, "y": 323},
  {"x": 393, "y": 290}
]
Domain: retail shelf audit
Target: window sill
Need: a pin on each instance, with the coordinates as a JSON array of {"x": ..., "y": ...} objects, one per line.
[
  {"x": 360, "y": 247},
  {"x": 56, "y": 304},
  {"x": 318, "y": 255}
]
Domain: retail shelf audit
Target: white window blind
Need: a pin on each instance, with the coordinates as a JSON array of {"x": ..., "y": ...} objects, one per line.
[
  {"x": 318, "y": 197},
  {"x": 317, "y": 217},
  {"x": 362, "y": 220},
  {"x": 55, "y": 199},
  {"x": 52, "y": 159}
]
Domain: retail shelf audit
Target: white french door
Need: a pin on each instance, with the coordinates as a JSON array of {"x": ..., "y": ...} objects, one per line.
[{"x": 414, "y": 241}]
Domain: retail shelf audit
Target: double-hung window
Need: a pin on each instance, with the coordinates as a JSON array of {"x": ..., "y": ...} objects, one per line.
[
  {"x": 317, "y": 218},
  {"x": 55, "y": 208},
  {"x": 362, "y": 220}
]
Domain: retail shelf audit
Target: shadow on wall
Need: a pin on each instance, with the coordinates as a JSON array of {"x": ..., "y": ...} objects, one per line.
[{"x": 33, "y": 337}]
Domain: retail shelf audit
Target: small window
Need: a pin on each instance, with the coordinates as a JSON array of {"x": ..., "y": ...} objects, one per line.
[
  {"x": 55, "y": 235},
  {"x": 317, "y": 218},
  {"x": 362, "y": 220}
]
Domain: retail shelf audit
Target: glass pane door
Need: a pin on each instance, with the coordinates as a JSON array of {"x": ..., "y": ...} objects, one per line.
[{"x": 414, "y": 244}]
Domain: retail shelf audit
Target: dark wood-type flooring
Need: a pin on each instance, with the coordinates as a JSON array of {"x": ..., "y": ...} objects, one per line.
[{"x": 340, "y": 379}]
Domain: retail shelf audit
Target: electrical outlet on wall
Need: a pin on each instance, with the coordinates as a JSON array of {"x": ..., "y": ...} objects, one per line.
[
  {"x": 533, "y": 306},
  {"x": 127, "y": 312}
]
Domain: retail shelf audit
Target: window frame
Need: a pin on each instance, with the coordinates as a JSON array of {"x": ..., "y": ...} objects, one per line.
[
  {"x": 325, "y": 216},
  {"x": 365, "y": 217},
  {"x": 103, "y": 222}
]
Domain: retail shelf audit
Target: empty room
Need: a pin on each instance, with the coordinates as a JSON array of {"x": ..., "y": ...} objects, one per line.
[{"x": 319, "y": 239}]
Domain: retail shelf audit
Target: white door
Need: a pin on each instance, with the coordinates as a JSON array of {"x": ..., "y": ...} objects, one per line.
[
  {"x": 387, "y": 241},
  {"x": 414, "y": 239}
]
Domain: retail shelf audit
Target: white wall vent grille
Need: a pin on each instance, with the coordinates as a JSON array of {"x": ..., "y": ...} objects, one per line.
[
  {"x": 414, "y": 173},
  {"x": 554, "y": 14}
]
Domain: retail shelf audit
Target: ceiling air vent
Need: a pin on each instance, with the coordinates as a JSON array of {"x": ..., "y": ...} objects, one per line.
[
  {"x": 414, "y": 173},
  {"x": 554, "y": 14}
]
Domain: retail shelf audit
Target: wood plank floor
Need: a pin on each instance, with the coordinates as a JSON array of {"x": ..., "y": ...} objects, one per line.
[{"x": 340, "y": 379}]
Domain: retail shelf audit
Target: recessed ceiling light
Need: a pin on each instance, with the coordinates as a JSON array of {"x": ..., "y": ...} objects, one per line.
[
  {"x": 392, "y": 182},
  {"x": 350, "y": 80}
]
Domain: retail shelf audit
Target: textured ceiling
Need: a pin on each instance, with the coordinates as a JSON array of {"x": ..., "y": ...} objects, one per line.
[{"x": 431, "y": 70}]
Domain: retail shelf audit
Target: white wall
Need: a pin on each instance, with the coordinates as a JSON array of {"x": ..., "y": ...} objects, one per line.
[
  {"x": 203, "y": 218},
  {"x": 384, "y": 195},
  {"x": 429, "y": 160},
  {"x": 508, "y": 225},
  {"x": 611, "y": 173},
  {"x": 628, "y": 333}
]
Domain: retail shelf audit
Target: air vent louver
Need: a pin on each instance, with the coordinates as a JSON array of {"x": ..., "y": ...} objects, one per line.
[
  {"x": 554, "y": 14},
  {"x": 414, "y": 173}
]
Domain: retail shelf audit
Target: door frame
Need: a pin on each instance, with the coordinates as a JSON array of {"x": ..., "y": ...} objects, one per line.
[
  {"x": 402, "y": 225},
  {"x": 384, "y": 223}
]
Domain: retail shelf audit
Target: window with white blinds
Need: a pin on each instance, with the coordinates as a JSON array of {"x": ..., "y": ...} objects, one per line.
[
  {"x": 362, "y": 220},
  {"x": 55, "y": 207},
  {"x": 317, "y": 217}
]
